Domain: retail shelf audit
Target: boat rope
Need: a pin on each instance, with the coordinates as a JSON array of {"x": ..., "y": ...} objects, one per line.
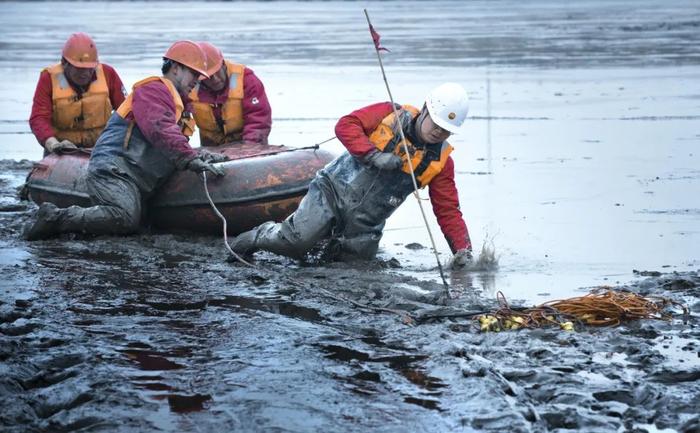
[
  {"x": 603, "y": 306},
  {"x": 223, "y": 219},
  {"x": 324, "y": 142},
  {"x": 416, "y": 194}
]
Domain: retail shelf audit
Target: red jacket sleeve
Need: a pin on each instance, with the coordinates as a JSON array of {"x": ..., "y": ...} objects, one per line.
[
  {"x": 443, "y": 195},
  {"x": 40, "y": 120},
  {"x": 42, "y": 109},
  {"x": 153, "y": 110},
  {"x": 117, "y": 92},
  {"x": 257, "y": 114},
  {"x": 353, "y": 130}
]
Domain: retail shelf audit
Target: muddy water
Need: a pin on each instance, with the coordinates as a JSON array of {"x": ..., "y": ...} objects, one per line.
[
  {"x": 580, "y": 164},
  {"x": 157, "y": 332},
  {"x": 580, "y": 159}
]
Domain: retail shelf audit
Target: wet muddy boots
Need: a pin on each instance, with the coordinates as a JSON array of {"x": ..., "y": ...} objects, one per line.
[
  {"x": 268, "y": 236},
  {"x": 49, "y": 221},
  {"x": 244, "y": 244},
  {"x": 45, "y": 225}
]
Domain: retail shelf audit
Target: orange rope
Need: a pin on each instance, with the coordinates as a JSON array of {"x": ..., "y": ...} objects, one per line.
[{"x": 602, "y": 307}]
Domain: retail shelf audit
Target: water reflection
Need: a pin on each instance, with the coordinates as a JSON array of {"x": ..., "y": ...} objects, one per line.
[{"x": 466, "y": 284}]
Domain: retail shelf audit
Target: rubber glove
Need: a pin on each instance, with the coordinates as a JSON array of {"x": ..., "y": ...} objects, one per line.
[
  {"x": 199, "y": 165},
  {"x": 53, "y": 145},
  {"x": 384, "y": 161},
  {"x": 460, "y": 259},
  {"x": 207, "y": 156}
]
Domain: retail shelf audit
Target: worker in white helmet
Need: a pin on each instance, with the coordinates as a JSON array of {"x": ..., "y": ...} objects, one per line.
[{"x": 350, "y": 199}]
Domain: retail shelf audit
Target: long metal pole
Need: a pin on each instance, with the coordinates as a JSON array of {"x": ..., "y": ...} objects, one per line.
[{"x": 410, "y": 163}]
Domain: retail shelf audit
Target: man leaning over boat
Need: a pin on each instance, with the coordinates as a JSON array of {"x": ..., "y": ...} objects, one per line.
[
  {"x": 231, "y": 105},
  {"x": 75, "y": 98},
  {"x": 145, "y": 140},
  {"x": 350, "y": 200}
]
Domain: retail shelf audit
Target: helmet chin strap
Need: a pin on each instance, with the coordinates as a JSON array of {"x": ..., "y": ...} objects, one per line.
[{"x": 419, "y": 123}]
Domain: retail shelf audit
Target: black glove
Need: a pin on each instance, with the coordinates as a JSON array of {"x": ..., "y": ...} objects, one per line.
[
  {"x": 384, "y": 161},
  {"x": 207, "y": 156},
  {"x": 199, "y": 165}
]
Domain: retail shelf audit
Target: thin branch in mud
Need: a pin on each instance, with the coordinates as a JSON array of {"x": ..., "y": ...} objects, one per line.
[
  {"x": 406, "y": 317},
  {"x": 447, "y": 315}
]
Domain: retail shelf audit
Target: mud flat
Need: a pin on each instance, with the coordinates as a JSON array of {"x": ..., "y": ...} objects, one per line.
[
  {"x": 158, "y": 331},
  {"x": 579, "y": 160}
]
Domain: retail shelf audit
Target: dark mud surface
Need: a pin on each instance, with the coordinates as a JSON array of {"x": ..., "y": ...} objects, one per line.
[{"x": 157, "y": 332}]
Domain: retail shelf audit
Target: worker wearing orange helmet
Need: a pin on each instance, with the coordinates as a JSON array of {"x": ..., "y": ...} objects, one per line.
[
  {"x": 231, "y": 105},
  {"x": 145, "y": 140},
  {"x": 74, "y": 98}
]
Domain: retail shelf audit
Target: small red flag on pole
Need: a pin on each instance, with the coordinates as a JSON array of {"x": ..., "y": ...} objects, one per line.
[
  {"x": 375, "y": 38},
  {"x": 378, "y": 48}
]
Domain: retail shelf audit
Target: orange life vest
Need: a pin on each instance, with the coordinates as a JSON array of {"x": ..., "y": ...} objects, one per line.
[
  {"x": 79, "y": 119},
  {"x": 211, "y": 132},
  {"x": 185, "y": 119},
  {"x": 427, "y": 162}
]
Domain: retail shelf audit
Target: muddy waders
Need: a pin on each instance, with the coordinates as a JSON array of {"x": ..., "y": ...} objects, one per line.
[
  {"x": 116, "y": 210},
  {"x": 347, "y": 203},
  {"x": 119, "y": 178}
]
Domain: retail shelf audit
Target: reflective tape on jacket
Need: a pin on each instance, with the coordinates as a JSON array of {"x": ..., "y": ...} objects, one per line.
[
  {"x": 185, "y": 120},
  {"x": 427, "y": 161},
  {"x": 213, "y": 131},
  {"x": 79, "y": 118}
]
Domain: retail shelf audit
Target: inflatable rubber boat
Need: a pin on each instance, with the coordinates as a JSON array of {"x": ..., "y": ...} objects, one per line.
[{"x": 262, "y": 183}]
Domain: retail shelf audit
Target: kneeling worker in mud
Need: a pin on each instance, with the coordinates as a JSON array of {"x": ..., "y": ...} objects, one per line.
[
  {"x": 74, "y": 98},
  {"x": 145, "y": 140},
  {"x": 350, "y": 199},
  {"x": 230, "y": 105}
]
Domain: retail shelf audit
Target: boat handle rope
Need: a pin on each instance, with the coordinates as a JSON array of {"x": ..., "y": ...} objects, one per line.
[{"x": 223, "y": 219}]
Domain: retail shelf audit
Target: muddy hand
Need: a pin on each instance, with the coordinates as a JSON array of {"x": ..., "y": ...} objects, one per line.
[
  {"x": 460, "y": 259},
  {"x": 199, "y": 165},
  {"x": 53, "y": 145},
  {"x": 384, "y": 161},
  {"x": 212, "y": 156}
]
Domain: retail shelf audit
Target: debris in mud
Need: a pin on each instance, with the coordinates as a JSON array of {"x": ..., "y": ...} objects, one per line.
[
  {"x": 601, "y": 307},
  {"x": 646, "y": 273},
  {"x": 13, "y": 207},
  {"x": 414, "y": 246}
]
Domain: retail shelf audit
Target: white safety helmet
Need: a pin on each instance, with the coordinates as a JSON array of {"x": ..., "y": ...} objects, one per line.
[{"x": 448, "y": 105}]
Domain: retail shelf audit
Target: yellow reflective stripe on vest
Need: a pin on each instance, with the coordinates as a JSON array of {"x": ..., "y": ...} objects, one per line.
[
  {"x": 231, "y": 111},
  {"x": 426, "y": 163},
  {"x": 79, "y": 119}
]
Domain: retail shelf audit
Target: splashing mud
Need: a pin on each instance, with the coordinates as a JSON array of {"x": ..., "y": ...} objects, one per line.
[{"x": 486, "y": 259}]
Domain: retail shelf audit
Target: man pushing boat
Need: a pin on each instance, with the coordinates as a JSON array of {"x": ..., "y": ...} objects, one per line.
[
  {"x": 145, "y": 140},
  {"x": 350, "y": 200}
]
